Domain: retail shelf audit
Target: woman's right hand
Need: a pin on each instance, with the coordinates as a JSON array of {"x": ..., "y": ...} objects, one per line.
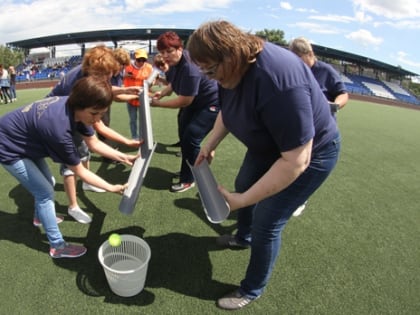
[
  {"x": 119, "y": 189},
  {"x": 157, "y": 95}
]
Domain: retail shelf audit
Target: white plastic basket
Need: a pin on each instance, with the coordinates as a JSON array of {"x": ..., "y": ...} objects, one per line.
[{"x": 125, "y": 266}]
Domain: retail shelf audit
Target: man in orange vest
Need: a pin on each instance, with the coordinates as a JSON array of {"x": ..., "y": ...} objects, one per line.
[{"x": 138, "y": 71}]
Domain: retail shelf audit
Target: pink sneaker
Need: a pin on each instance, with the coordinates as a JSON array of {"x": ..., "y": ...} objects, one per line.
[{"x": 67, "y": 251}]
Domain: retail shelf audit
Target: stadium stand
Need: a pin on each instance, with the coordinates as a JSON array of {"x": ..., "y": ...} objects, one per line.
[{"x": 363, "y": 85}]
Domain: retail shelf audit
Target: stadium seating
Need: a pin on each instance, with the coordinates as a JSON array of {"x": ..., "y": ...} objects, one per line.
[{"x": 368, "y": 86}]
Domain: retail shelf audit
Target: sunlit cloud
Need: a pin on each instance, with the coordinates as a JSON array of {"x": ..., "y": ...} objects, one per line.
[
  {"x": 286, "y": 6},
  {"x": 364, "y": 38},
  {"x": 332, "y": 18},
  {"x": 316, "y": 28},
  {"x": 391, "y": 9},
  {"x": 404, "y": 58}
]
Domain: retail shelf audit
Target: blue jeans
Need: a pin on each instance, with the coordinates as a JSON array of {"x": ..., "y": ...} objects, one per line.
[
  {"x": 36, "y": 177},
  {"x": 133, "y": 115},
  {"x": 193, "y": 128},
  {"x": 13, "y": 91},
  {"x": 261, "y": 225}
]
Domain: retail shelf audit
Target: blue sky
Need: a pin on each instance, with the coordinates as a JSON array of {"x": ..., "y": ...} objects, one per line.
[{"x": 384, "y": 30}]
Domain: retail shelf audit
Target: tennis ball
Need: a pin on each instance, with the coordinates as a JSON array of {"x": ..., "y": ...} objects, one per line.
[{"x": 114, "y": 240}]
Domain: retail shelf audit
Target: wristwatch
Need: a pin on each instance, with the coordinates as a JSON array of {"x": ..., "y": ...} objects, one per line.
[{"x": 334, "y": 107}]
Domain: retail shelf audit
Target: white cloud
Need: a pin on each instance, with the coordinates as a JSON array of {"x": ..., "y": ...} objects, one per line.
[
  {"x": 174, "y": 6},
  {"x": 286, "y": 6},
  {"x": 364, "y": 38},
  {"x": 406, "y": 24},
  {"x": 391, "y": 9},
  {"x": 404, "y": 59},
  {"x": 332, "y": 18},
  {"x": 316, "y": 28},
  {"x": 304, "y": 10},
  {"x": 38, "y": 18},
  {"x": 362, "y": 17}
]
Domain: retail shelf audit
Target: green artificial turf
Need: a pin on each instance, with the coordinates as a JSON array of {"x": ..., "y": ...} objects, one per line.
[{"x": 355, "y": 250}]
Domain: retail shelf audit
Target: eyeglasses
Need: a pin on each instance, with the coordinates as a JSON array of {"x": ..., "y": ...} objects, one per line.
[
  {"x": 140, "y": 60},
  {"x": 211, "y": 71}
]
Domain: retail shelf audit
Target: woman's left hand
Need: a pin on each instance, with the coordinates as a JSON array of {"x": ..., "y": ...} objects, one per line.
[{"x": 235, "y": 200}]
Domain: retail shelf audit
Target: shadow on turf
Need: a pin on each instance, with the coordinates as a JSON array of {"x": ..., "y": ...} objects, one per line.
[
  {"x": 196, "y": 207},
  {"x": 179, "y": 262},
  {"x": 162, "y": 148},
  {"x": 18, "y": 227}
]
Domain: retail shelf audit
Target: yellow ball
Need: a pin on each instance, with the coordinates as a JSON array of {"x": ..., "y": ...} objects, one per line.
[{"x": 114, "y": 240}]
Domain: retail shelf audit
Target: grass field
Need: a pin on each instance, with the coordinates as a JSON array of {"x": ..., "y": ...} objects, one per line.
[{"x": 355, "y": 250}]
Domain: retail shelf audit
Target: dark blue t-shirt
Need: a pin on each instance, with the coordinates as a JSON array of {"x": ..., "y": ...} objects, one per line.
[
  {"x": 63, "y": 88},
  {"x": 41, "y": 129},
  {"x": 187, "y": 80},
  {"x": 278, "y": 105},
  {"x": 329, "y": 80}
]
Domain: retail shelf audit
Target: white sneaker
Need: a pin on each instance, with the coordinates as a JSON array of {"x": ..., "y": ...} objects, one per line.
[
  {"x": 86, "y": 186},
  {"x": 79, "y": 215},
  {"x": 299, "y": 210}
]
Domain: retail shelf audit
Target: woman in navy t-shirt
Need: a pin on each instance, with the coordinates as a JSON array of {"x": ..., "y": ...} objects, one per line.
[
  {"x": 45, "y": 129},
  {"x": 197, "y": 97},
  {"x": 272, "y": 103}
]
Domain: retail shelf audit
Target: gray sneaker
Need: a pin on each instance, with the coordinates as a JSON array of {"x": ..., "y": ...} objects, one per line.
[
  {"x": 234, "y": 301},
  {"x": 230, "y": 241},
  {"x": 79, "y": 215}
]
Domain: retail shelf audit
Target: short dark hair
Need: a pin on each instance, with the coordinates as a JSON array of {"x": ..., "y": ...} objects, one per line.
[{"x": 90, "y": 91}]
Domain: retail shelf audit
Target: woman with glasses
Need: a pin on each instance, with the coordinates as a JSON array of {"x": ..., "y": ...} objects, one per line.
[
  {"x": 134, "y": 75},
  {"x": 272, "y": 103},
  {"x": 196, "y": 96}
]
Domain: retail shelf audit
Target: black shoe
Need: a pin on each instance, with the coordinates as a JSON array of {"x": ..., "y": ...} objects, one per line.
[
  {"x": 178, "y": 144},
  {"x": 230, "y": 241}
]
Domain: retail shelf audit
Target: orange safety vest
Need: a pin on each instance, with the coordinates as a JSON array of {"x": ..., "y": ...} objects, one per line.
[{"x": 137, "y": 77}]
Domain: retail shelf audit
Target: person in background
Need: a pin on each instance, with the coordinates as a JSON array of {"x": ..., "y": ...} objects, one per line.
[
  {"x": 272, "y": 103},
  {"x": 12, "y": 79},
  {"x": 163, "y": 68},
  {"x": 123, "y": 58},
  {"x": 134, "y": 75},
  {"x": 45, "y": 129},
  {"x": 196, "y": 95},
  {"x": 99, "y": 61},
  {"x": 328, "y": 78},
  {"x": 5, "y": 84}
]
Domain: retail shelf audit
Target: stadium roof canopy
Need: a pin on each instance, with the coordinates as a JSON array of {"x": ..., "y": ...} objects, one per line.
[
  {"x": 359, "y": 60},
  {"x": 114, "y": 36},
  {"x": 119, "y": 35}
]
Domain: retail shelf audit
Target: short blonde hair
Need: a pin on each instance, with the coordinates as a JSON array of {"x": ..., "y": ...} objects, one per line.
[
  {"x": 300, "y": 46},
  {"x": 122, "y": 56},
  {"x": 219, "y": 40}
]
